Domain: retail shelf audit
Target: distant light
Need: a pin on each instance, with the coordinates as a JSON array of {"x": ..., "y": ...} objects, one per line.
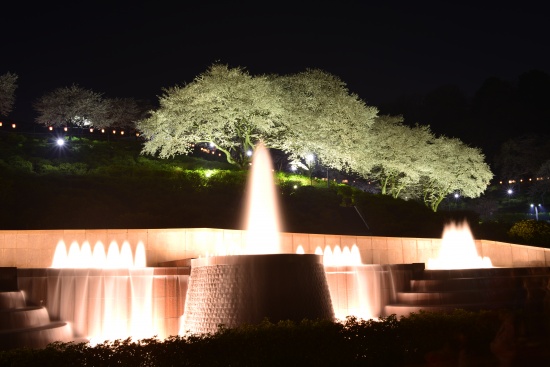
[
  {"x": 510, "y": 191},
  {"x": 60, "y": 142},
  {"x": 50, "y": 128},
  {"x": 249, "y": 153},
  {"x": 65, "y": 128},
  {"x": 295, "y": 186},
  {"x": 121, "y": 132},
  {"x": 212, "y": 145},
  {"x": 13, "y": 126},
  {"x": 114, "y": 131},
  {"x": 102, "y": 130},
  {"x": 0, "y": 123},
  {"x": 457, "y": 195},
  {"x": 91, "y": 130},
  {"x": 137, "y": 134}
]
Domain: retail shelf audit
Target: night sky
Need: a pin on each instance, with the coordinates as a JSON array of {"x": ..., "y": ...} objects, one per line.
[{"x": 380, "y": 51}]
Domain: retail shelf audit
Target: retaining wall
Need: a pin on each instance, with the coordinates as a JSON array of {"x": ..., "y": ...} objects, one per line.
[{"x": 36, "y": 248}]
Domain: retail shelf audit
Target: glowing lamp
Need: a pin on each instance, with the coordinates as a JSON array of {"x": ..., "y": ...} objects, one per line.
[
  {"x": 60, "y": 142},
  {"x": 50, "y": 128},
  {"x": 91, "y": 130},
  {"x": 65, "y": 128},
  {"x": 13, "y": 126}
]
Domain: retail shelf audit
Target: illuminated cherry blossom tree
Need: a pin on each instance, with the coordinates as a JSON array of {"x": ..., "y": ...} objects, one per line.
[
  {"x": 123, "y": 113},
  {"x": 453, "y": 167},
  {"x": 225, "y": 107},
  {"x": 322, "y": 118},
  {"x": 395, "y": 155},
  {"x": 301, "y": 114},
  {"x": 71, "y": 106}
]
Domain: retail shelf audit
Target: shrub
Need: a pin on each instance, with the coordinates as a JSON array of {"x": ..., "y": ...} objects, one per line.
[
  {"x": 531, "y": 232},
  {"x": 20, "y": 164},
  {"x": 355, "y": 342}
]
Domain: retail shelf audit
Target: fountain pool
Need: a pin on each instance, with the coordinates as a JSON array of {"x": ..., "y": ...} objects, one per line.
[{"x": 106, "y": 292}]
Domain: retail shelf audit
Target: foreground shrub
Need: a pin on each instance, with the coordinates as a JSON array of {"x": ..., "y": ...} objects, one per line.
[{"x": 354, "y": 342}]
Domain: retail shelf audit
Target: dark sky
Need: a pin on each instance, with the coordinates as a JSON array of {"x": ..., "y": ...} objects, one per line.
[{"x": 380, "y": 51}]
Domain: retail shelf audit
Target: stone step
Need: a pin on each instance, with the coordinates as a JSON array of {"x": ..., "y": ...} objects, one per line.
[
  {"x": 15, "y": 299},
  {"x": 470, "y": 289},
  {"x": 23, "y": 317},
  {"x": 406, "y": 309},
  {"x": 486, "y": 273},
  {"x": 463, "y": 284},
  {"x": 458, "y": 297},
  {"x": 436, "y": 298},
  {"x": 36, "y": 337}
]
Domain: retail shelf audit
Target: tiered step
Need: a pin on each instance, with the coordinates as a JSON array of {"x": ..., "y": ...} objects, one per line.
[
  {"x": 27, "y": 326},
  {"x": 470, "y": 289}
]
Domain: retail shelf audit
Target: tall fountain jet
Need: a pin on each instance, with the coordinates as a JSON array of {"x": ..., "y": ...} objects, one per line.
[
  {"x": 262, "y": 222},
  {"x": 263, "y": 283}
]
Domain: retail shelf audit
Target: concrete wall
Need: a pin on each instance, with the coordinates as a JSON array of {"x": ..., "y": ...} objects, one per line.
[{"x": 36, "y": 248}]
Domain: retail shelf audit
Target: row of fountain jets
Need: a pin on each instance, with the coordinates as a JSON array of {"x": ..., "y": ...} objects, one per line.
[
  {"x": 263, "y": 231},
  {"x": 261, "y": 220}
]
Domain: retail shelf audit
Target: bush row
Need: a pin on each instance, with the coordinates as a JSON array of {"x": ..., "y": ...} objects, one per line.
[{"x": 385, "y": 342}]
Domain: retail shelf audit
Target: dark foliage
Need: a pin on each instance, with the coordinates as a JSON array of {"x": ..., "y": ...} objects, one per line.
[
  {"x": 531, "y": 232},
  {"x": 96, "y": 184},
  {"x": 387, "y": 216},
  {"x": 386, "y": 342}
]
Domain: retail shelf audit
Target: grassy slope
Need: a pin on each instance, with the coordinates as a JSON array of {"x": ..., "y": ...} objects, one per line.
[{"x": 109, "y": 184}]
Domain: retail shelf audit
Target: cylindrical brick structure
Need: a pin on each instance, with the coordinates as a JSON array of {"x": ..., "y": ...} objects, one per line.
[{"x": 245, "y": 289}]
